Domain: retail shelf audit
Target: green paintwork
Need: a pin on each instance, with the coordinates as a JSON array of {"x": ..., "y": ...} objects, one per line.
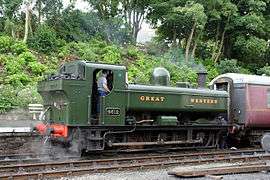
[
  {"x": 174, "y": 99},
  {"x": 166, "y": 121},
  {"x": 66, "y": 98},
  {"x": 70, "y": 99}
]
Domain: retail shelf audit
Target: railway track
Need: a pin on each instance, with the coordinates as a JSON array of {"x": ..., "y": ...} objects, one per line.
[
  {"x": 10, "y": 159},
  {"x": 20, "y": 158},
  {"x": 79, "y": 167}
]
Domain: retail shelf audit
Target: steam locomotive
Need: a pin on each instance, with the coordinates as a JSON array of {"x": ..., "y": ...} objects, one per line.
[{"x": 155, "y": 116}]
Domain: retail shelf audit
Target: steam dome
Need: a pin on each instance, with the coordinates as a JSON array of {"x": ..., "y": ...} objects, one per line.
[{"x": 160, "y": 77}]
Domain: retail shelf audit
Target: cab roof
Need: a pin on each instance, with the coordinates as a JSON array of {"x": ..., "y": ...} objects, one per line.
[
  {"x": 243, "y": 79},
  {"x": 103, "y": 66}
]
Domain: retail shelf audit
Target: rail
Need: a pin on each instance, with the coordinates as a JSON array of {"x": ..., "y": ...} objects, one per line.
[{"x": 79, "y": 167}]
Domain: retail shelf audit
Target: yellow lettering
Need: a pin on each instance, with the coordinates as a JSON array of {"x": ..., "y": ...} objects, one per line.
[
  {"x": 216, "y": 101},
  {"x": 192, "y": 100},
  {"x": 152, "y": 98},
  {"x": 200, "y": 100}
]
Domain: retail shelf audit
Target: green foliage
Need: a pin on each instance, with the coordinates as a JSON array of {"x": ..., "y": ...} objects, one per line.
[
  {"x": 264, "y": 70},
  {"x": 112, "y": 55},
  {"x": 231, "y": 66},
  {"x": 13, "y": 65},
  {"x": 20, "y": 70},
  {"x": 210, "y": 67},
  {"x": 253, "y": 47},
  {"x": 27, "y": 57},
  {"x": 27, "y": 95},
  {"x": 194, "y": 12},
  {"x": 19, "y": 79},
  {"x": 37, "y": 68},
  {"x": 5, "y": 44},
  {"x": 7, "y": 98},
  {"x": 182, "y": 73},
  {"x": 44, "y": 40},
  {"x": 228, "y": 66},
  {"x": 19, "y": 48},
  {"x": 11, "y": 97},
  {"x": 132, "y": 52}
]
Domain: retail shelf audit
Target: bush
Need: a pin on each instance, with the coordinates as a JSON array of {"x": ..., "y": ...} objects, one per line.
[
  {"x": 5, "y": 44},
  {"x": 228, "y": 66},
  {"x": 13, "y": 65},
  {"x": 44, "y": 40},
  {"x": 28, "y": 95},
  {"x": 11, "y": 97},
  {"x": 132, "y": 52},
  {"x": 27, "y": 57},
  {"x": 19, "y": 47},
  {"x": 37, "y": 68},
  {"x": 264, "y": 70},
  {"x": 18, "y": 80},
  {"x": 7, "y": 98},
  {"x": 112, "y": 55}
]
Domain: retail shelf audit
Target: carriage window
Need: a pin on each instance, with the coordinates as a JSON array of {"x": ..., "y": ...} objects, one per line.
[{"x": 268, "y": 98}]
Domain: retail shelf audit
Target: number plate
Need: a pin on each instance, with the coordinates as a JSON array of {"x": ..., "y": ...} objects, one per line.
[{"x": 113, "y": 111}]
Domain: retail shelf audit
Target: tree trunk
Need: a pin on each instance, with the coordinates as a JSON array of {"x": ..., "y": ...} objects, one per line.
[
  {"x": 220, "y": 46},
  {"x": 136, "y": 31},
  {"x": 216, "y": 43},
  {"x": 189, "y": 41},
  {"x": 39, "y": 11},
  {"x": 13, "y": 34},
  {"x": 174, "y": 38},
  {"x": 26, "y": 25},
  {"x": 194, "y": 49},
  {"x": 30, "y": 31}
]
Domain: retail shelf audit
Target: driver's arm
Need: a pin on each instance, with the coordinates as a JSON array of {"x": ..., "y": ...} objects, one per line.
[{"x": 106, "y": 87}]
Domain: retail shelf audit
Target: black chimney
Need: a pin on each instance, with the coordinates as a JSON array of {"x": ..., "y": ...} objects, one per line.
[{"x": 201, "y": 78}]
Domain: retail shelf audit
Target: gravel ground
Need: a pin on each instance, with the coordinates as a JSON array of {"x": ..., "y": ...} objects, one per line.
[{"x": 162, "y": 175}]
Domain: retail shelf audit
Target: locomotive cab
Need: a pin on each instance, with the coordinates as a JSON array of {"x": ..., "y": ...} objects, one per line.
[{"x": 70, "y": 96}]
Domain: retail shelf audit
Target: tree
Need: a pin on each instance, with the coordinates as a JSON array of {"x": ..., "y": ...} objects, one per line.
[
  {"x": 52, "y": 11},
  {"x": 180, "y": 21},
  {"x": 221, "y": 14},
  {"x": 195, "y": 13},
  {"x": 9, "y": 10},
  {"x": 134, "y": 13},
  {"x": 28, "y": 11},
  {"x": 106, "y": 8},
  {"x": 250, "y": 41},
  {"x": 44, "y": 40}
]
